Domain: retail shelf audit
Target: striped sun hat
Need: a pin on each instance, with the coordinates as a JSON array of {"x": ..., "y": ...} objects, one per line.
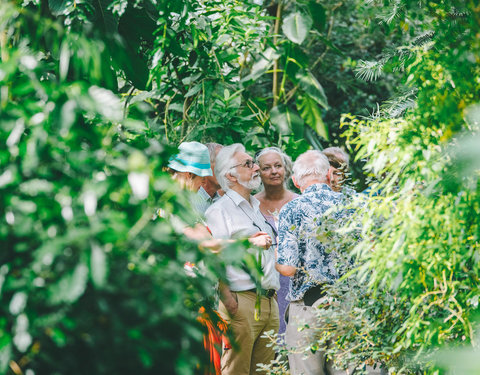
[{"x": 192, "y": 157}]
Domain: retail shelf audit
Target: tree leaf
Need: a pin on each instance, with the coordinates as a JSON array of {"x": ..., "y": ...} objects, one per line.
[
  {"x": 266, "y": 60},
  {"x": 296, "y": 26},
  {"x": 312, "y": 87},
  {"x": 71, "y": 286},
  {"x": 312, "y": 115},
  {"x": 317, "y": 11},
  {"x": 57, "y": 6},
  {"x": 286, "y": 121},
  {"x": 98, "y": 265}
]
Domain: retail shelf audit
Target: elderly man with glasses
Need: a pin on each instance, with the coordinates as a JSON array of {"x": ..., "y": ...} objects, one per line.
[{"x": 237, "y": 215}]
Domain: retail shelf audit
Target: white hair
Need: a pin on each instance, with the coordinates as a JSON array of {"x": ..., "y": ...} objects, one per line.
[
  {"x": 213, "y": 149},
  {"x": 310, "y": 165},
  {"x": 286, "y": 161},
  {"x": 224, "y": 163}
]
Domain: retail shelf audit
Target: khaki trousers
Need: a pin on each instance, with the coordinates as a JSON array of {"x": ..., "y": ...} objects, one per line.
[
  {"x": 250, "y": 348},
  {"x": 309, "y": 364},
  {"x": 300, "y": 315}
]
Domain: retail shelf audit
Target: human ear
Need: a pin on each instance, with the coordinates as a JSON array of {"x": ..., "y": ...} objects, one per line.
[
  {"x": 231, "y": 177},
  {"x": 329, "y": 175},
  {"x": 295, "y": 183}
]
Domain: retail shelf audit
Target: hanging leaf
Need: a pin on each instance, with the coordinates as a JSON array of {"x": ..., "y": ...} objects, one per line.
[
  {"x": 286, "y": 121},
  {"x": 312, "y": 87},
  {"x": 71, "y": 286},
  {"x": 57, "y": 7},
  {"x": 317, "y": 11},
  {"x": 98, "y": 265},
  {"x": 312, "y": 115},
  {"x": 265, "y": 61},
  {"x": 296, "y": 27}
]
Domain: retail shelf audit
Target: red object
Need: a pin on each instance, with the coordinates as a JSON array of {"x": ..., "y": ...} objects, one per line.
[{"x": 213, "y": 340}]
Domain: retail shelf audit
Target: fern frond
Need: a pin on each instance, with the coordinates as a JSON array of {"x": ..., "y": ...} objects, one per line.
[
  {"x": 423, "y": 39},
  {"x": 399, "y": 104},
  {"x": 369, "y": 70},
  {"x": 391, "y": 12}
]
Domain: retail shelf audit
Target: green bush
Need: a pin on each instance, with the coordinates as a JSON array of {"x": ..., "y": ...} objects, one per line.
[{"x": 92, "y": 273}]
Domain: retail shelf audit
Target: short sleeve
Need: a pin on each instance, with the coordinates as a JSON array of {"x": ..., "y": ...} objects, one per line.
[{"x": 288, "y": 239}]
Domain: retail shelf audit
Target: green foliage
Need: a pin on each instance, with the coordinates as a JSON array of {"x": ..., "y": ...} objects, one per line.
[
  {"x": 418, "y": 258},
  {"x": 415, "y": 284},
  {"x": 92, "y": 273}
]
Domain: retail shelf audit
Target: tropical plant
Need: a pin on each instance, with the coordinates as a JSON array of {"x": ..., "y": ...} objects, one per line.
[
  {"x": 92, "y": 273},
  {"x": 415, "y": 285}
]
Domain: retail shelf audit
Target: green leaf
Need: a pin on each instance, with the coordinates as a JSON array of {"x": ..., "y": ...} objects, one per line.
[
  {"x": 296, "y": 26},
  {"x": 266, "y": 60},
  {"x": 71, "y": 286},
  {"x": 193, "y": 90},
  {"x": 286, "y": 121},
  {"x": 312, "y": 115},
  {"x": 312, "y": 87},
  {"x": 317, "y": 11},
  {"x": 57, "y": 7},
  {"x": 98, "y": 265}
]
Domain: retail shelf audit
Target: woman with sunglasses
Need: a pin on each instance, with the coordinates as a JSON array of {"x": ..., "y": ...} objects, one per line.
[{"x": 275, "y": 170}]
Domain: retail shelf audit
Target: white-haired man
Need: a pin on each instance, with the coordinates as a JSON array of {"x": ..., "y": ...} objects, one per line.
[
  {"x": 237, "y": 215},
  {"x": 305, "y": 259}
]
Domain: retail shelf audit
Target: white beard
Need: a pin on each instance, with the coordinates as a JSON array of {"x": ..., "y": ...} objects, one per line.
[{"x": 252, "y": 184}]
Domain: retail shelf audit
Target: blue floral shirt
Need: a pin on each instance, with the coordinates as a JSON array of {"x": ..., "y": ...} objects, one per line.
[{"x": 299, "y": 245}]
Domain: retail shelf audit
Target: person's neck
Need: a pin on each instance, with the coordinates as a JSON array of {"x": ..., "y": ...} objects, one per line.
[
  {"x": 243, "y": 191},
  {"x": 310, "y": 183},
  {"x": 210, "y": 189},
  {"x": 275, "y": 193}
]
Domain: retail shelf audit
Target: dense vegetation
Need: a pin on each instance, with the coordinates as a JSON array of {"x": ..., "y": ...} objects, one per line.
[{"x": 94, "y": 97}]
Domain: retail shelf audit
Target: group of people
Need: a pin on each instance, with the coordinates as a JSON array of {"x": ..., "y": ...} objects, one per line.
[{"x": 281, "y": 227}]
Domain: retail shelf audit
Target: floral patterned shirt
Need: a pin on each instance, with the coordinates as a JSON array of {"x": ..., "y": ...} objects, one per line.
[{"x": 299, "y": 243}]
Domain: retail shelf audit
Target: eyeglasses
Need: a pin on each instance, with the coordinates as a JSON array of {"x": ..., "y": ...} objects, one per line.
[{"x": 248, "y": 164}]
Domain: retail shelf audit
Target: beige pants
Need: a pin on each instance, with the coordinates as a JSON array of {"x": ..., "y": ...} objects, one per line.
[
  {"x": 312, "y": 364},
  {"x": 250, "y": 348},
  {"x": 300, "y": 315}
]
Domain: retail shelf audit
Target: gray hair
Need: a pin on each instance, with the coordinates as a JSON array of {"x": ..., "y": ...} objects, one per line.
[
  {"x": 336, "y": 157},
  {"x": 225, "y": 162},
  {"x": 213, "y": 149},
  {"x": 310, "y": 165},
  {"x": 286, "y": 161}
]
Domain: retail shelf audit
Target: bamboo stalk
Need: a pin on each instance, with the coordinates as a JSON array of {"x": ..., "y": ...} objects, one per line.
[{"x": 275, "y": 63}]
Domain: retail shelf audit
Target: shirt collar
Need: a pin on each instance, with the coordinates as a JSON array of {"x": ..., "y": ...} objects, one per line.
[
  {"x": 204, "y": 194},
  {"x": 317, "y": 187},
  {"x": 238, "y": 199}
]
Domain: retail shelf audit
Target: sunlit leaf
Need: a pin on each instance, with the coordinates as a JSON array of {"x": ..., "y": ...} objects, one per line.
[
  {"x": 286, "y": 121},
  {"x": 312, "y": 87},
  {"x": 312, "y": 115},
  {"x": 296, "y": 26}
]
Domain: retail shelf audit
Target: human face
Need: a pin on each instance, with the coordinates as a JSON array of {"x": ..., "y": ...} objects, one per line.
[
  {"x": 246, "y": 176},
  {"x": 336, "y": 177},
  {"x": 272, "y": 170},
  {"x": 187, "y": 180}
]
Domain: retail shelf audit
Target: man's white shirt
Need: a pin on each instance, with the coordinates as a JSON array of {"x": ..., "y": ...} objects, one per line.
[{"x": 232, "y": 217}]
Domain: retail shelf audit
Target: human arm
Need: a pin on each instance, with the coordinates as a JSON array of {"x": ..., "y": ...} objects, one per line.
[
  {"x": 285, "y": 270},
  {"x": 228, "y": 298},
  {"x": 287, "y": 259}
]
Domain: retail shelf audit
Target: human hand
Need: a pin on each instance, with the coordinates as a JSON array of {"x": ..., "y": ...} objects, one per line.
[
  {"x": 261, "y": 239},
  {"x": 198, "y": 233},
  {"x": 231, "y": 305}
]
